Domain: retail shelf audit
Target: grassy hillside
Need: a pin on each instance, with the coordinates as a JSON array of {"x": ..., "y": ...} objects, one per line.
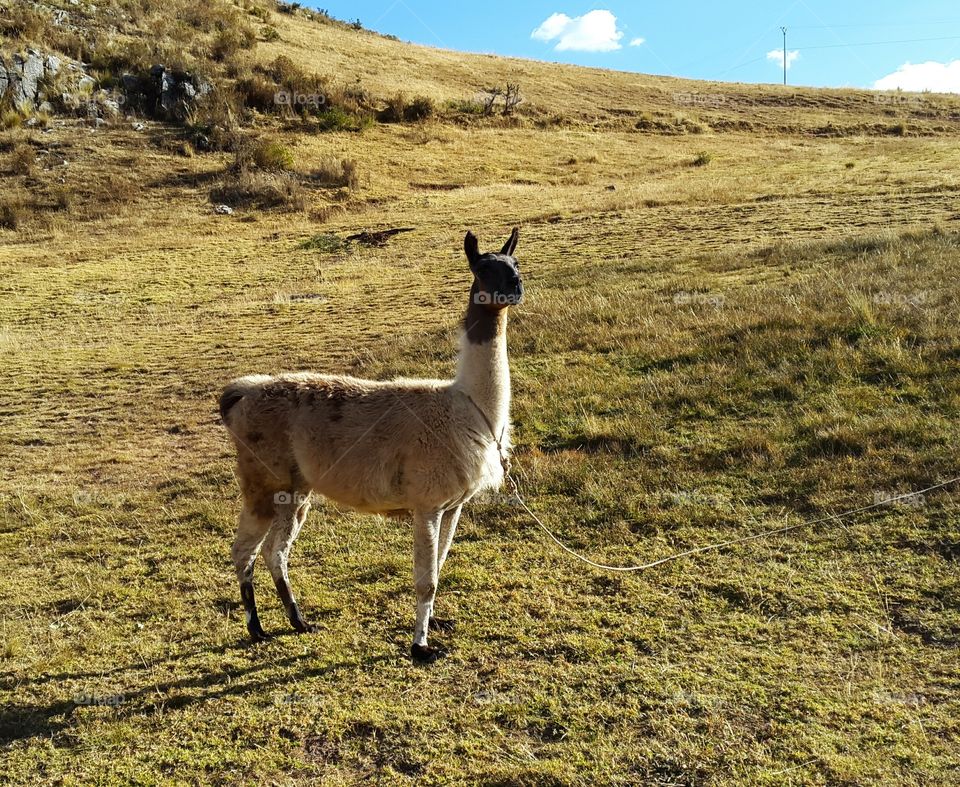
[
  {"x": 561, "y": 94},
  {"x": 739, "y": 316}
]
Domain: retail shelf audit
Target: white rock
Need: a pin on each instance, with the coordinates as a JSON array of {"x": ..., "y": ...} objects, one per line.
[{"x": 223, "y": 210}]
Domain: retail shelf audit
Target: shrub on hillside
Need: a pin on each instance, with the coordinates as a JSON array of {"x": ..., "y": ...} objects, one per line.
[
  {"x": 336, "y": 172},
  {"x": 227, "y": 44},
  {"x": 14, "y": 211},
  {"x": 258, "y": 92},
  {"x": 421, "y": 108},
  {"x": 23, "y": 159},
  {"x": 212, "y": 123},
  {"x": 23, "y": 23},
  {"x": 399, "y": 110},
  {"x": 272, "y": 155},
  {"x": 337, "y": 119},
  {"x": 259, "y": 189},
  {"x": 10, "y": 118},
  {"x": 702, "y": 159}
]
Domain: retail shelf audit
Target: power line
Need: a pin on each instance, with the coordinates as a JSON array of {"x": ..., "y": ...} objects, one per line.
[
  {"x": 879, "y": 24},
  {"x": 741, "y": 65},
  {"x": 839, "y": 46},
  {"x": 876, "y": 43}
]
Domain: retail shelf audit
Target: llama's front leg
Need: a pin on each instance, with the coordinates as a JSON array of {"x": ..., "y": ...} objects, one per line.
[
  {"x": 289, "y": 518},
  {"x": 448, "y": 527},
  {"x": 426, "y": 536},
  {"x": 254, "y": 522}
]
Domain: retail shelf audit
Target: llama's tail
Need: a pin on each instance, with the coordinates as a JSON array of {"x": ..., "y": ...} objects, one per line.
[{"x": 235, "y": 391}]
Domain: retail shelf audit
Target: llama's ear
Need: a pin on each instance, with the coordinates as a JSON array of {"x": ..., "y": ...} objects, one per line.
[
  {"x": 511, "y": 243},
  {"x": 471, "y": 248}
]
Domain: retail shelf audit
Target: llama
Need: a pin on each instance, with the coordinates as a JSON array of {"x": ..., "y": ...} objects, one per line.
[{"x": 401, "y": 447}]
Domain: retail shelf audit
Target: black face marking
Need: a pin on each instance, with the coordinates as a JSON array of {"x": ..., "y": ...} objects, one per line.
[{"x": 498, "y": 278}]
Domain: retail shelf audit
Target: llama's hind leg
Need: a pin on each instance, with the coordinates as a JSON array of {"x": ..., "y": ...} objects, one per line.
[
  {"x": 254, "y": 523},
  {"x": 287, "y": 521}
]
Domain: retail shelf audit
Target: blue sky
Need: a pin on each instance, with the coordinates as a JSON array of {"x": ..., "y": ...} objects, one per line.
[{"x": 883, "y": 44}]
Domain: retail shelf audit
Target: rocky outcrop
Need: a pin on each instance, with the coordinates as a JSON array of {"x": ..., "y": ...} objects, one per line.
[
  {"x": 163, "y": 93},
  {"x": 28, "y": 80},
  {"x": 22, "y": 76}
]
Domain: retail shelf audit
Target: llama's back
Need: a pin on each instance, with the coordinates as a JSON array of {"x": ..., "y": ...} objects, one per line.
[{"x": 379, "y": 447}]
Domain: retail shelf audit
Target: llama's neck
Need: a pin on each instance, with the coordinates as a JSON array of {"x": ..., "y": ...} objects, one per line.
[{"x": 483, "y": 371}]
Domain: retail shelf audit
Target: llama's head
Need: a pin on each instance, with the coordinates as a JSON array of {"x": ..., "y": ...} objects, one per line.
[{"x": 496, "y": 274}]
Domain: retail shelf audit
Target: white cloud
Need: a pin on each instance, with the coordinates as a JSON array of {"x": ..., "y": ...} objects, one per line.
[
  {"x": 638, "y": 41},
  {"x": 552, "y": 27},
  {"x": 776, "y": 55},
  {"x": 595, "y": 31},
  {"x": 933, "y": 76}
]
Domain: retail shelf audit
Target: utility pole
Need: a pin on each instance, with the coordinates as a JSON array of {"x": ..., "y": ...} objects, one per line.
[{"x": 784, "y": 54}]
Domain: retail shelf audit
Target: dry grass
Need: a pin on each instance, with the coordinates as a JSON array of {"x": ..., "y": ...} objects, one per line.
[
  {"x": 270, "y": 154},
  {"x": 704, "y": 351},
  {"x": 333, "y": 171},
  {"x": 261, "y": 189}
]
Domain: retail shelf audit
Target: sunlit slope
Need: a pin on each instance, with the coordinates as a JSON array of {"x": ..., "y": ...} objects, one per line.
[{"x": 556, "y": 92}]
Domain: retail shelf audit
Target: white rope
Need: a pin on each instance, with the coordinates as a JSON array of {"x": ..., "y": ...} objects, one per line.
[
  {"x": 721, "y": 544},
  {"x": 505, "y": 462}
]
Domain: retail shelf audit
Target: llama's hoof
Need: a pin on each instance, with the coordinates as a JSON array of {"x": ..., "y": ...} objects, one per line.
[
  {"x": 260, "y": 636},
  {"x": 424, "y": 654},
  {"x": 305, "y": 628},
  {"x": 442, "y": 625}
]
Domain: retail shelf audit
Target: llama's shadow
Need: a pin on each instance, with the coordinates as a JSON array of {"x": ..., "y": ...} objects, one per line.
[{"x": 30, "y": 720}]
